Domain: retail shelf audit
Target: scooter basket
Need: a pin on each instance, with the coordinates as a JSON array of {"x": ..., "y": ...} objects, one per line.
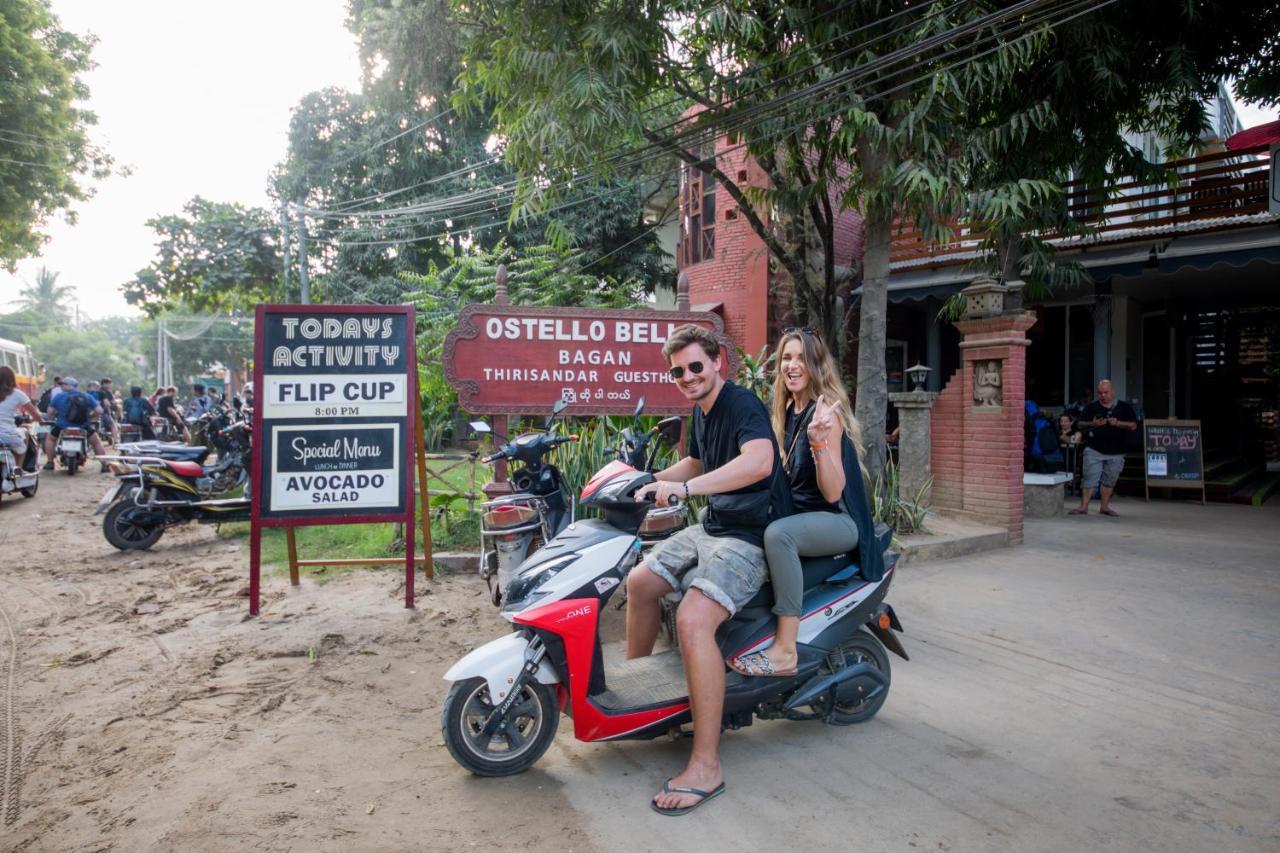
[
  {"x": 661, "y": 523},
  {"x": 508, "y": 516}
]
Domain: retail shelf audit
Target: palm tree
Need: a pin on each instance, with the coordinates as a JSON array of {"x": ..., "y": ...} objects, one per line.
[{"x": 46, "y": 296}]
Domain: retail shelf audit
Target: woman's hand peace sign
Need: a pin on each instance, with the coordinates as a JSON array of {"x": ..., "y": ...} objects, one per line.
[{"x": 823, "y": 421}]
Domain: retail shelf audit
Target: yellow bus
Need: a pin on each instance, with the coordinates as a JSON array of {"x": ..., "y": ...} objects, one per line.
[{"x": 30, "y": 373}]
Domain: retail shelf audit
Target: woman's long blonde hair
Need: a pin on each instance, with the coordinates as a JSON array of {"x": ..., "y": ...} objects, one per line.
[{"x": 824, "y": 380}]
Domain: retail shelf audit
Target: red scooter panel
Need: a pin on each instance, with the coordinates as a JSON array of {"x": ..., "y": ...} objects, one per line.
[{"x": 574, "y": 621}]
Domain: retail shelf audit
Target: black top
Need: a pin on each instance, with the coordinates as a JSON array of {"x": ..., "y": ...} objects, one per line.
[
  {"x": 802, "y": 472},
  {"x": 1107, "y": 439},
  {"x": 717, "y": 438},
  {"x": 165, "y": 406}
]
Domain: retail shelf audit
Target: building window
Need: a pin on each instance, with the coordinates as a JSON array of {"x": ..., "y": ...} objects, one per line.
[{"x": 698, "y": 222}]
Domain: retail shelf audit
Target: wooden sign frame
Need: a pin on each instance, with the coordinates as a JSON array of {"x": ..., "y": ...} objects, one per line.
[
  {"x": 1162, "y": 483},
  {"x": 410, "y": 429}
]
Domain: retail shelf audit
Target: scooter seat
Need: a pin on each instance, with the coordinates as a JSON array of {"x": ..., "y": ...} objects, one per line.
[
  {"x": 816, "y": 570},
  {"x": 185, "y": 469}
]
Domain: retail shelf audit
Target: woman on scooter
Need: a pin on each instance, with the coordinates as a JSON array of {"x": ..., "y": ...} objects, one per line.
[
  {"x": 821, "y": 446},
  {"x": 12, "y": 403}
]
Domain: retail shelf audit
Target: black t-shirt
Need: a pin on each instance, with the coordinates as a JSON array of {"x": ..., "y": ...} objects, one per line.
[
  {"x": 802, "y": 472},
  {"x": 1108, "y": 440},
  {"x": 717, "y": 438}
]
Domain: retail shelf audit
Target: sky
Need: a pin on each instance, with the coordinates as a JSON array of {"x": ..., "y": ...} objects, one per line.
[{"x": 195, "y": 98}]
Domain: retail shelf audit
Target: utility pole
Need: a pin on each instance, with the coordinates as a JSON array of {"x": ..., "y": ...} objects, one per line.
[
  {"x": 302, "y": 256},
  {"x": 284, "y": 231}
]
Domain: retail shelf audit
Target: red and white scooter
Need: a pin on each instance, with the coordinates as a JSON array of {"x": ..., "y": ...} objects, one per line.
[{"x": 503, "y": 709}]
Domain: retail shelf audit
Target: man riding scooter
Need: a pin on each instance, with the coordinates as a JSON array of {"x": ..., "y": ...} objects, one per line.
[
  {"x": 73, "y": 408},
  {"x": 720, "y": 564}
]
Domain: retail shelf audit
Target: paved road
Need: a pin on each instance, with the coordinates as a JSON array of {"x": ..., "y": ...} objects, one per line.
[{"x": 1112, "y": 685}]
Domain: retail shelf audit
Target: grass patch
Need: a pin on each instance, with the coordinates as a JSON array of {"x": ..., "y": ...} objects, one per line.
[{"x": 453, "y": 528}]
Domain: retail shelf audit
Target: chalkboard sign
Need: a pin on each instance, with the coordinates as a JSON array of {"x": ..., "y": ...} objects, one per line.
[{"x": 1174, "y": 454}]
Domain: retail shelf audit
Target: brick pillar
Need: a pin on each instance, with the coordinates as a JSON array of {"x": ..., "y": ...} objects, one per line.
[{"x": 992, "y": 389}]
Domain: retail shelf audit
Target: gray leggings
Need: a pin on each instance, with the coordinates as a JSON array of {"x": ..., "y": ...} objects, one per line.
[{"x": 806, "y": 534}]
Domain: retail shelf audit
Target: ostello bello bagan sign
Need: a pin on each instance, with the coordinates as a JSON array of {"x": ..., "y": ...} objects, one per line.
[
  {"x": 514, "y": 359},
  {"x": 334, "y": 425}
]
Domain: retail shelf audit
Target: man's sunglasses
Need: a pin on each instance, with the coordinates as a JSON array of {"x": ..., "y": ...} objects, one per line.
[{"x": 695, "y": 367}]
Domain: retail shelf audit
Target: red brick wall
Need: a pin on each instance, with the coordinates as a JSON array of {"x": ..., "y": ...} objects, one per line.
[
  {"x": 977, "y": 454},
  {"x": 738, "y": 275}
]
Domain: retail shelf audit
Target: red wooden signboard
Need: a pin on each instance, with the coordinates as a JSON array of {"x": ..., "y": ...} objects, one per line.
[{"x": 516, "y": 359}]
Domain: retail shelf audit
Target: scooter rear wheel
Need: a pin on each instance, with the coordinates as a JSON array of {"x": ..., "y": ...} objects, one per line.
[
  {"x": 851, "y": 702},
  {"x": 125, "y": 531},
  {"x": 519, "y": 740}
]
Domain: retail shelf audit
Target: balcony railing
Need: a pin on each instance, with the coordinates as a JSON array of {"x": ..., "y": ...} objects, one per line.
[{"x": 1212, "y": 192}]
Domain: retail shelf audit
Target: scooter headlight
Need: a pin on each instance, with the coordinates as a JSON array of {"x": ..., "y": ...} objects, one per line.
[{"x": 523, "y": 589}]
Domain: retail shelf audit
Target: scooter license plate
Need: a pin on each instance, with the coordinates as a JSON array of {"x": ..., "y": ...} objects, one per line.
[
  {"x": 73, "y": 445},
  {"x": 109, "y": 498}
]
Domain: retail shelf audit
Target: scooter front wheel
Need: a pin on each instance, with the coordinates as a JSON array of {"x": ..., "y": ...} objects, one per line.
[{"x": 503, "y": 746}]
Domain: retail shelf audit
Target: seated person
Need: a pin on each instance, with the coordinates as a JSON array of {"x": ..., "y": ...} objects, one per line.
[
  {"x": 821, "y": 444},
  {"x": 14, "y": 402},
  {"x": 138, "y": 411},
  {"x": 720, "y": 563},
  {"x": 73, "y": 408},
  {"x": 1068, "y": 435}
]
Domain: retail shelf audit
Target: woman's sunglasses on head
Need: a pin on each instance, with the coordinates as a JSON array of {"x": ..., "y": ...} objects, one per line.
[{"x": 695, "y": 367}]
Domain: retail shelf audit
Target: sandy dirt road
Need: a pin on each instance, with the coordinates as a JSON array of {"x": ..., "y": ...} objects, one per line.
[
  {"x": 1111, "y": 685},
  {"x": 143, "y": 710}
]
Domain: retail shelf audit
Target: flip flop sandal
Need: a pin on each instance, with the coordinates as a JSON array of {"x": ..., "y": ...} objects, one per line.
[
  {"x": 1078, "y": 511},
  {"x": 703, "y": 796},
  {"x": 1111, "y": 512},
  {"x": 758, "y": 664}
]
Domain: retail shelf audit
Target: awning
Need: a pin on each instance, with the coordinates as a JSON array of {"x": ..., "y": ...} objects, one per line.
[{"x": 1262, "y": 134}]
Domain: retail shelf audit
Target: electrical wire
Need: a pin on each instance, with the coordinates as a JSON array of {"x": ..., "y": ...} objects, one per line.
[
  {"x": 998, "y": 38},
  {"x": 931, "y": 12}
]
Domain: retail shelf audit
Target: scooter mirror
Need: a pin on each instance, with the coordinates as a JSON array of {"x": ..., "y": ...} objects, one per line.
[
  {"x": 560, "y": 406},
  {"x": 669, "y": 430},
  {"x": 639, "y": 406},
  {"x": 480, "y": 427}
]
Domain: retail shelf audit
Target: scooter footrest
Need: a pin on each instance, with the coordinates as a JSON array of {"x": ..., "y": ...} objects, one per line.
[{"x": 654, "y": 680}]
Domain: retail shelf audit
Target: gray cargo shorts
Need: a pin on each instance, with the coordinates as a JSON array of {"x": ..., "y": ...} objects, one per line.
[
  {"x": 728, "y": 571},
  {"x": 1101, "y": 468}
]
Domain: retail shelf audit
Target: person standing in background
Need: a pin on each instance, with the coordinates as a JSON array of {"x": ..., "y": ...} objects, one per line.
[{"x": 1106, "y": 423}]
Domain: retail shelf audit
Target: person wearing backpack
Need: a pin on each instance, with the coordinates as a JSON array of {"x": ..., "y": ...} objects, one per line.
[
  {"x": 1042, "y": 452},
  {"x": 73, "y": 408},
  {"x": 137, "y": 410}
]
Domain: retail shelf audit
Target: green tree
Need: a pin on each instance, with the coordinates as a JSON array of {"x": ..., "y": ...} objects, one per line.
[
  {"x": 86, "y": 354},
  {"x": 1098, "y": 78},
  {"x": 851, "y": 110},
  {"x": 45, "y": 153},
  {"x": 212, "y": 257},
  {"x": 398, "y": 143},
  {"x": 25, "y": 324},
  {"x": 47, "y": 297}
]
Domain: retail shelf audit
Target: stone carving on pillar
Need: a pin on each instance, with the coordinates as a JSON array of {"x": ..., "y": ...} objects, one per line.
[{"x": 988, "y": 391}]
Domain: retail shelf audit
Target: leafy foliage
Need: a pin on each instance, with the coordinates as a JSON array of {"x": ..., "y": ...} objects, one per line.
[
  {"x": 905, "y": 515},
  {"x": 46, "y": 297},
  {"x": 45, "y": 153},
  {"x": 212, "y": 257},
  {"x": 754, "y": 372},
  {"x": 86, "y": 354}
]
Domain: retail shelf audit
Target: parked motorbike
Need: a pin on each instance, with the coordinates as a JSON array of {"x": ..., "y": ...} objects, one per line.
[
  {"x": 158, "y": 492},
  {"x": 24, "y": 479},
  {"x": 515, "y": 525},
  {"x": 503, "y": 709},
  {"x": 227, "y": 434}
]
